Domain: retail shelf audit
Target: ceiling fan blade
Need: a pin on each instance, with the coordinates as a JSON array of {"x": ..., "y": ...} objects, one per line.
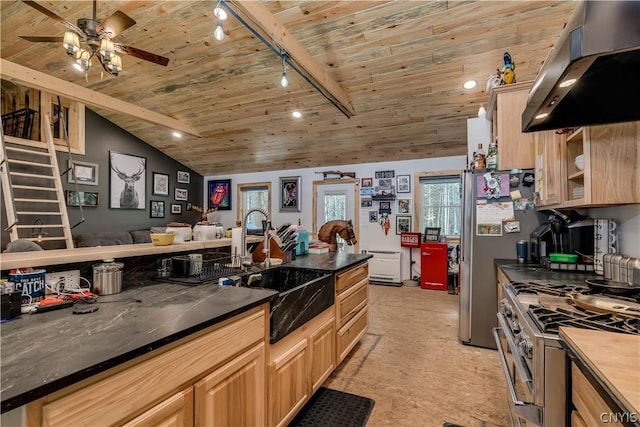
[
  {"x": 115, "y": 24},
  {"x": 43, "y": 38},
  {"x": 52, "y": 15},
  {"x": 142, "y": 54}
]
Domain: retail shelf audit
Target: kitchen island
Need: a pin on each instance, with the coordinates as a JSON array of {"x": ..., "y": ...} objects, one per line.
[{"x": 49, "y": 358}]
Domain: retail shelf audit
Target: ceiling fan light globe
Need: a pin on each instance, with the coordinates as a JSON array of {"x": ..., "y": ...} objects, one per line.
[
  {"x": 115, "y": 65},
  {"x": 220, "y": 13},
  {"x": 218, "y": 34},
  {"x": 83, "y": 60},
  {"x": 71, "y": 42},
  {"x": 107, "y": 50}
]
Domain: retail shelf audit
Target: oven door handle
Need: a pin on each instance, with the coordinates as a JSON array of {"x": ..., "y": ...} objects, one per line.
[
  {"x": 522, "y": 371},
  {"x": 528, "y": 411}
]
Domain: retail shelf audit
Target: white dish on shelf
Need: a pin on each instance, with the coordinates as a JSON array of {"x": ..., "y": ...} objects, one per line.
[{"x": 580, "y": 161}]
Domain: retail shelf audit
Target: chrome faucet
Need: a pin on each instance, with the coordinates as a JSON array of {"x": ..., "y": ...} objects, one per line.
[{"x": 265, "y": 247}]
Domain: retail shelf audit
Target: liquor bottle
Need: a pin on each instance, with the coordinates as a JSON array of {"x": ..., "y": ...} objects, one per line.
[
  {"x": 480, "y": 158},
  {"x": 492, "y": 156}
]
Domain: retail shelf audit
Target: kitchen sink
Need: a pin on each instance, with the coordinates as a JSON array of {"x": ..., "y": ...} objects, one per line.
[{"x": 302, "y": 295}]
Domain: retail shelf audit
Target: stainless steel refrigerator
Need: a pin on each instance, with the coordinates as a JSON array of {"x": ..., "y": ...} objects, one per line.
[{"x": 478, "y": 282}]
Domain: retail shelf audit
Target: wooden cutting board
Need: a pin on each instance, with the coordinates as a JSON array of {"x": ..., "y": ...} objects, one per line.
[
  {"x": 614, "y": 357},
  {"x": 606, "y": 305}
]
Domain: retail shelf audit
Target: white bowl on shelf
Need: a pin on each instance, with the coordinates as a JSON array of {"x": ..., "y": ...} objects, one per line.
[{"x": 580, "y": 162}]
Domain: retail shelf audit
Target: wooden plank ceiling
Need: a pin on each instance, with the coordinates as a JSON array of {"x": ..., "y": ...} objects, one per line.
[{"x": 402, "y": 65}]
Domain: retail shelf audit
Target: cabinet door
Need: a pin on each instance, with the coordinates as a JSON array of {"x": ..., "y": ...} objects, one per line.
[
  {"x": 234, "y": 394},
  {"x": 550, "y": 179},
  {"x": 348, "y": 336},
  {"x": 289, "y": 384},
  {"x": 349, "y": 302},
  {"x": 322, "y": 354},
  {"x": 434, "y": 266},
  {"x": 515, "y": 148},
  {"x": 589, "y": 404},
  {"x": 176, "y": 411}
]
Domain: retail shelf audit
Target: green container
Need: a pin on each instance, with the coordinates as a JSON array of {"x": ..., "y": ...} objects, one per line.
[{"x": 565, "y": 258}]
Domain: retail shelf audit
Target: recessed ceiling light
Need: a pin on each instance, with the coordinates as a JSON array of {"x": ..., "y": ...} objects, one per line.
[
  {"x": 542, "y": 116},
  {"x": 567, "y": 83},
  {"x": 469, "y": 84},
  {"x": 296, "y": 114},
  {"x": 176, "y": 134}
]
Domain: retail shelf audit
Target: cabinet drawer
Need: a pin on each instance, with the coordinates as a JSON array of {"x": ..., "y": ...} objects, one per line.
[
  {"x": 128, "y": 392},
  {"x": 351, "y": 301},
  {"x": 576, "y": 420},
  {"x": 350, "y": 333},
  {"x": 348, "y": 278},
  {"x": 587, "y": 401}
]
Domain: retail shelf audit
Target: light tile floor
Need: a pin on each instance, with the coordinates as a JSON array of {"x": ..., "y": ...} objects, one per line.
[{"x": 411, "y": 363}]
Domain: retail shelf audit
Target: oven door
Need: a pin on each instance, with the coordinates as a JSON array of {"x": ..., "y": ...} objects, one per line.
[{"x": 519, "y": 382}]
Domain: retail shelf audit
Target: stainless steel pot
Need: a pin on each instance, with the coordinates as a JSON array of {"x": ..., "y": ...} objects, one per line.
[{"x": 107, "y": 278}]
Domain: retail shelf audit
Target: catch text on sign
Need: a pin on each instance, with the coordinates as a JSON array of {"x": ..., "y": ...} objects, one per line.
[{"x": 410, "y": 240}]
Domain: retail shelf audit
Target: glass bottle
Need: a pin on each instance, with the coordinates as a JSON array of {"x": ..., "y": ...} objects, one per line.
[
  {"x": 480, "y": 158},
  {"x": 492, "y": 157}
]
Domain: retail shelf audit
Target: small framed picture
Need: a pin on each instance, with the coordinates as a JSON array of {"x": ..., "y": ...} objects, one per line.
[
  {"x": 385, "y": 205},
  {"x": 431, "y": 234},
  {"x": 367, "y": 182},
  {"x": 160, "y": 184},
  {"x": 373, "y": 216},
  {"x": 189, "y": 206},
  {"x": 176, "y": 208},
  {"x": 83, "y": 172},
  {"x": 404, "y": 183},
  {"x": 181, "y": 194},
  {"x": 219, "y": 191},
  {"x": 366, "y": 202},
  {"x": 157, "y": 209},
  {"x": 184, "y": 177},
  {"x": 84, "y": 198},
  {"x": 403, "y": 224},
  {"x": 290, "y": 194},
  {"x": 404, "y": 206}
]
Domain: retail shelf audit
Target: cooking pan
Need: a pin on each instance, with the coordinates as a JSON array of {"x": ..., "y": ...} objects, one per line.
[
  {"x": 606, "y": 305},
  {"x": 613, "y": 287}
]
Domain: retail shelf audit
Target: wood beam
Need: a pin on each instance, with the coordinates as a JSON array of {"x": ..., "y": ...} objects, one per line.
[
  {"x": 271, "y": 28},
  {"x": 38, "y": 80}
]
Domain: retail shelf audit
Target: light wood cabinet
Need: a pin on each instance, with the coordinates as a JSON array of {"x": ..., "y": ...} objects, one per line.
[
  {"x": 506, "y": 105},
  {"x": 146, "y": 387},
  {"x": 322, "y": 354},
  {"x": 352, "y": 319},
  {"x": 550, "y": 166},
  {"x": 610, "y": 174},
  {"x": 176, "y": 411},
  {"x": 234, "y": 394},
  {"x": 590, "y": 406},
  {"x": 299, "y": 364}
]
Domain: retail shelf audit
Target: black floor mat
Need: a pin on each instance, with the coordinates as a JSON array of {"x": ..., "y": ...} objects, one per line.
[{"x": 333, "y": 408}]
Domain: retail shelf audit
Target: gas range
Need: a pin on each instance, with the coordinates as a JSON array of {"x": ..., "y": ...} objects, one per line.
[{"x": 533, "y": 360}]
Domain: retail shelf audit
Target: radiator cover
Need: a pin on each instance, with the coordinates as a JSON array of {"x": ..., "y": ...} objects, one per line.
[{"x": 385, "y": 266}]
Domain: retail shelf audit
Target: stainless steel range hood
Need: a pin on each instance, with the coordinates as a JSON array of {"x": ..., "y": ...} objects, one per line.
[{"x": 600, "y": 49}]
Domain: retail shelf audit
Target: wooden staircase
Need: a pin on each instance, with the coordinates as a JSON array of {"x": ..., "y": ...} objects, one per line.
[{"x": 32, "y": 189}]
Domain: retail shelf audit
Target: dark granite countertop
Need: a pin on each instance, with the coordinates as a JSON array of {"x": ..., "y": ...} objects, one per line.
[
  {"x": 527, "y": 272},
  {"x": 332, "y": 261},
  {"x": 45, "y": 352}
]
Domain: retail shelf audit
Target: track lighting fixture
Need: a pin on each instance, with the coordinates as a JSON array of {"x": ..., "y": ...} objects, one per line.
[
  {"x": 219, "y": 13},
  {"x": 284, "y": 82}
]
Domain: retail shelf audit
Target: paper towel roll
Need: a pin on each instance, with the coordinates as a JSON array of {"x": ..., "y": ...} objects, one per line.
[{"x": 236, "y": 245}]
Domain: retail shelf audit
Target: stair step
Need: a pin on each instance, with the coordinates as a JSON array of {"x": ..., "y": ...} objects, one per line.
[
  {"x": 33, "y": 187},
  {"x": 37, "y": 213},
  {"x": 32, "y": 175},
  {"x": 26, "y": 162},
  {"x": 36, "y": 200},
  {"x": 39, "y": 226},
  {"x": 24, "y": 150}
]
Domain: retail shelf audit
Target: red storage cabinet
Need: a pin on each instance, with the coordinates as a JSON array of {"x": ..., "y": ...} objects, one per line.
[{"x": 434, "y": 266}]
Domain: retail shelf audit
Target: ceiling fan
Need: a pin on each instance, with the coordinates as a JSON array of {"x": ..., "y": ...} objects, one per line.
[{"x": 98, "y": 37}]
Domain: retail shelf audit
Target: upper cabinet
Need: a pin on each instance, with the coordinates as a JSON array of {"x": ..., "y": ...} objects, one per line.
[
  {"x": 550, "y": 165},
  {"x": 516, "y": 150},
  {"x": 601, "y": 165}
]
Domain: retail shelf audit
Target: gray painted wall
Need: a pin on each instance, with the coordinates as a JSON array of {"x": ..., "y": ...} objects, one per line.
[{"x": 101, "y": 137}]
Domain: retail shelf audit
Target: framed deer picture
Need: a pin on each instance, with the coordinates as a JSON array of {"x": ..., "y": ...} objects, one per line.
[{"x": 127, "y": 181}]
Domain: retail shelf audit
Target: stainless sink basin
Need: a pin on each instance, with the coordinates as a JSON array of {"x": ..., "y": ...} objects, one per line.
[{"x": 302, "y": 295}]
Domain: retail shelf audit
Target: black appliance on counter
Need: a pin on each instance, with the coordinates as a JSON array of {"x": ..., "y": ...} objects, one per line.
[
  {"x": 540, "y": 243},
  {"x": 572, "y": 233}
]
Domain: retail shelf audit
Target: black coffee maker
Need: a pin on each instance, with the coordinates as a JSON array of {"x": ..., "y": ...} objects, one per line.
[{"x": 572, "y": 233}]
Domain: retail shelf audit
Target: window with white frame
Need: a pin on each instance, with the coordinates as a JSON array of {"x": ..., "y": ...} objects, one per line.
[
  {"x": 255, "y": 195},
  {"x": 441, "y": 204}
]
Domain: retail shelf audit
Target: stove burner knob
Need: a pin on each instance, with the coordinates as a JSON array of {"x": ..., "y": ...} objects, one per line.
[
  {"x": 515, "y": 326},
  {"x": 526, "y": 346},
  {"x": 505, "y": 309}
]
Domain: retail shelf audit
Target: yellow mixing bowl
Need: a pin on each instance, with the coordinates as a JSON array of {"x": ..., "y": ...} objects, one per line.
[{"x": 162, "y": 239}]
